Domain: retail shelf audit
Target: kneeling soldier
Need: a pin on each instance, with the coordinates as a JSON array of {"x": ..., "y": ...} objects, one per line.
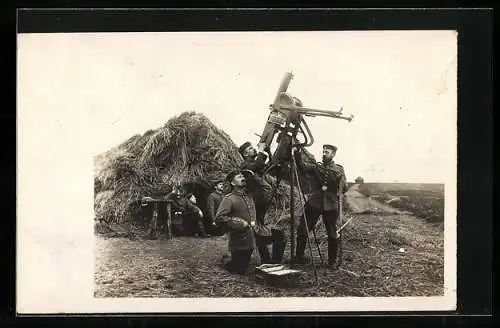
[{"x": 236, "y": 213}]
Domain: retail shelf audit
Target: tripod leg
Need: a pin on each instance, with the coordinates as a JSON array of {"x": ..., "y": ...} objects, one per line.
[
  {"x": 339, "y": 252},
  {"x": 296, "y": 174},
  {"x": 314, "y": 232},
  {"x": 317, "y": 245}
]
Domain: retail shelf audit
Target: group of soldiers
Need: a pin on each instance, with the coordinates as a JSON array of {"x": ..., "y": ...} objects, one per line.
[{"x": 241, "y": 212}]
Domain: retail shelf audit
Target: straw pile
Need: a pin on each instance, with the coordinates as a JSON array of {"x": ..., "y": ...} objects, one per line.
[{"x": 190, "y": 148}]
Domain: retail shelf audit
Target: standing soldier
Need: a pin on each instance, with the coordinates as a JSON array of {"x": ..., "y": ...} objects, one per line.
[
  {"x": 213, "y": 202},
  {"x": 260, "y": 190},
  {"x": 254, "y": 160},
  {"x": 324, "y": 201}
]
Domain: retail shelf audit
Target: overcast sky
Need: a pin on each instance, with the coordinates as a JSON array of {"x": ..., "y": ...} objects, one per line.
[{"x": 97, "y": 90}]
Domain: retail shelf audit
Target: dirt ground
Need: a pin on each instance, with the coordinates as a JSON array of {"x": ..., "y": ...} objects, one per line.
[{"x": 384, "y": 254}]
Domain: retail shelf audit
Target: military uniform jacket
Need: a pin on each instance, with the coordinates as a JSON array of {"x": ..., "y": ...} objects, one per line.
[
  {"x": 213, "y": 202},
  {"x": 182, "y": 204},
  {"x": 233, "y": 207},
  {"x": 333, "y": 177}
]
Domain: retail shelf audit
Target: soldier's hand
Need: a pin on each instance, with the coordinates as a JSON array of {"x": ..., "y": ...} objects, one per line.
[
  {"x": 200, "y": 213},
  {"x": 261, "y": 147}
]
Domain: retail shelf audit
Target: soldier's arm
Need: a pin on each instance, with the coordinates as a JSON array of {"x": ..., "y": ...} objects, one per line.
[
  {"x": 211, "y": 206},
  {"x": 267, "y": 191},
  {"x": 194, "y": 208},
  {"x": 223, "y": 216},
  {"x": 340, "y": 174},
  {"x": 304, "y": 165},
  {"x": 256, "y": 165},
  {"x": 345, "y": 186},
  {"x": 260, "y": 162},
  {"x": 169, "y": 196}
]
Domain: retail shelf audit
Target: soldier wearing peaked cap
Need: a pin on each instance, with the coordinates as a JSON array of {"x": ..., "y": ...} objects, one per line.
[
  {"x": 236, "y": 213},
  {"x": 331, "y": 147},
  {"x": 253, "y": 159},
  {"x": 324, "y": 201},
  {"x": 260, "y": 190},
  {"x": 213, "y": 201}
]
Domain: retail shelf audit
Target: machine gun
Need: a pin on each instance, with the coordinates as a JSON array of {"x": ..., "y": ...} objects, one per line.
[
  {"x": 287, "y": 116},
  {"x": 287, "y": 120}
]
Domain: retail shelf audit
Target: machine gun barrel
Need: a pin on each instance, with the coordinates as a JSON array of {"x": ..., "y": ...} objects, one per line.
[
  {"x": 283, "y": 87},
  {"x": 318, "y": 112}
]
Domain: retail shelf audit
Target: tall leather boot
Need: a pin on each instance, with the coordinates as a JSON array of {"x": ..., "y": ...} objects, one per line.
[
  {"x": 201, "y": 228},
  {"x": 332, "y": 252},
  {"x": 300, "y": 248},
  {"x": 263, "y": 251},
  {"x": 279, "y": 245}
]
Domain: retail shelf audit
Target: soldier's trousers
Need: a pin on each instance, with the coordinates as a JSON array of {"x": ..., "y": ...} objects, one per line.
[
  {"x": 277, "y": 240},
  {"x": 239, "y": 261},
  {"x": 330, "y": 220},
  {"x": 191, "y": 224}
]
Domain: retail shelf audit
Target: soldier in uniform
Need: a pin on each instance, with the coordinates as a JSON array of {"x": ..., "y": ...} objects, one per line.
[
  {"x": 253, "y": 166},
  {"x": 323, "y": 201},
  {"x": 236, "y": 213},
  {"x": 213, "y": 201},
  {"x": 184, "y": 209},
  {"x": 254, "y": 160},
  {"x": 197, "y": 218}
]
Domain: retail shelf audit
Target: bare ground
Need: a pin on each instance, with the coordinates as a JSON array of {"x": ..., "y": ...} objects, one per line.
[{"x": 385, "y": 254}]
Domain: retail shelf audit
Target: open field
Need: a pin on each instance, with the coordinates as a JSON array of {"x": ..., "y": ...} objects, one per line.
[
  {"x": 384, "y": 254},
  {"x": 398, "y": 189},
  {"x": 425, "y": 201}
]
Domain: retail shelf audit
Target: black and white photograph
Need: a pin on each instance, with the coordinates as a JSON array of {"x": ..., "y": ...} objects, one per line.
[{"x": 241, "y": 171}]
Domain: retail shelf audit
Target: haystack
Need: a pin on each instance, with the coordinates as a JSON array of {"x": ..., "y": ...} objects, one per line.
[{"x": 189, "y": 148}]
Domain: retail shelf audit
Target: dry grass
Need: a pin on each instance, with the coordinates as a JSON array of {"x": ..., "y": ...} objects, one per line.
[{"x": 190, "y": 267}]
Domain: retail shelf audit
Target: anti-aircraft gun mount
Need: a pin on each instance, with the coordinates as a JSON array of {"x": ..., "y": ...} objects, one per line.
[{"x": 287, "y": 119}]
